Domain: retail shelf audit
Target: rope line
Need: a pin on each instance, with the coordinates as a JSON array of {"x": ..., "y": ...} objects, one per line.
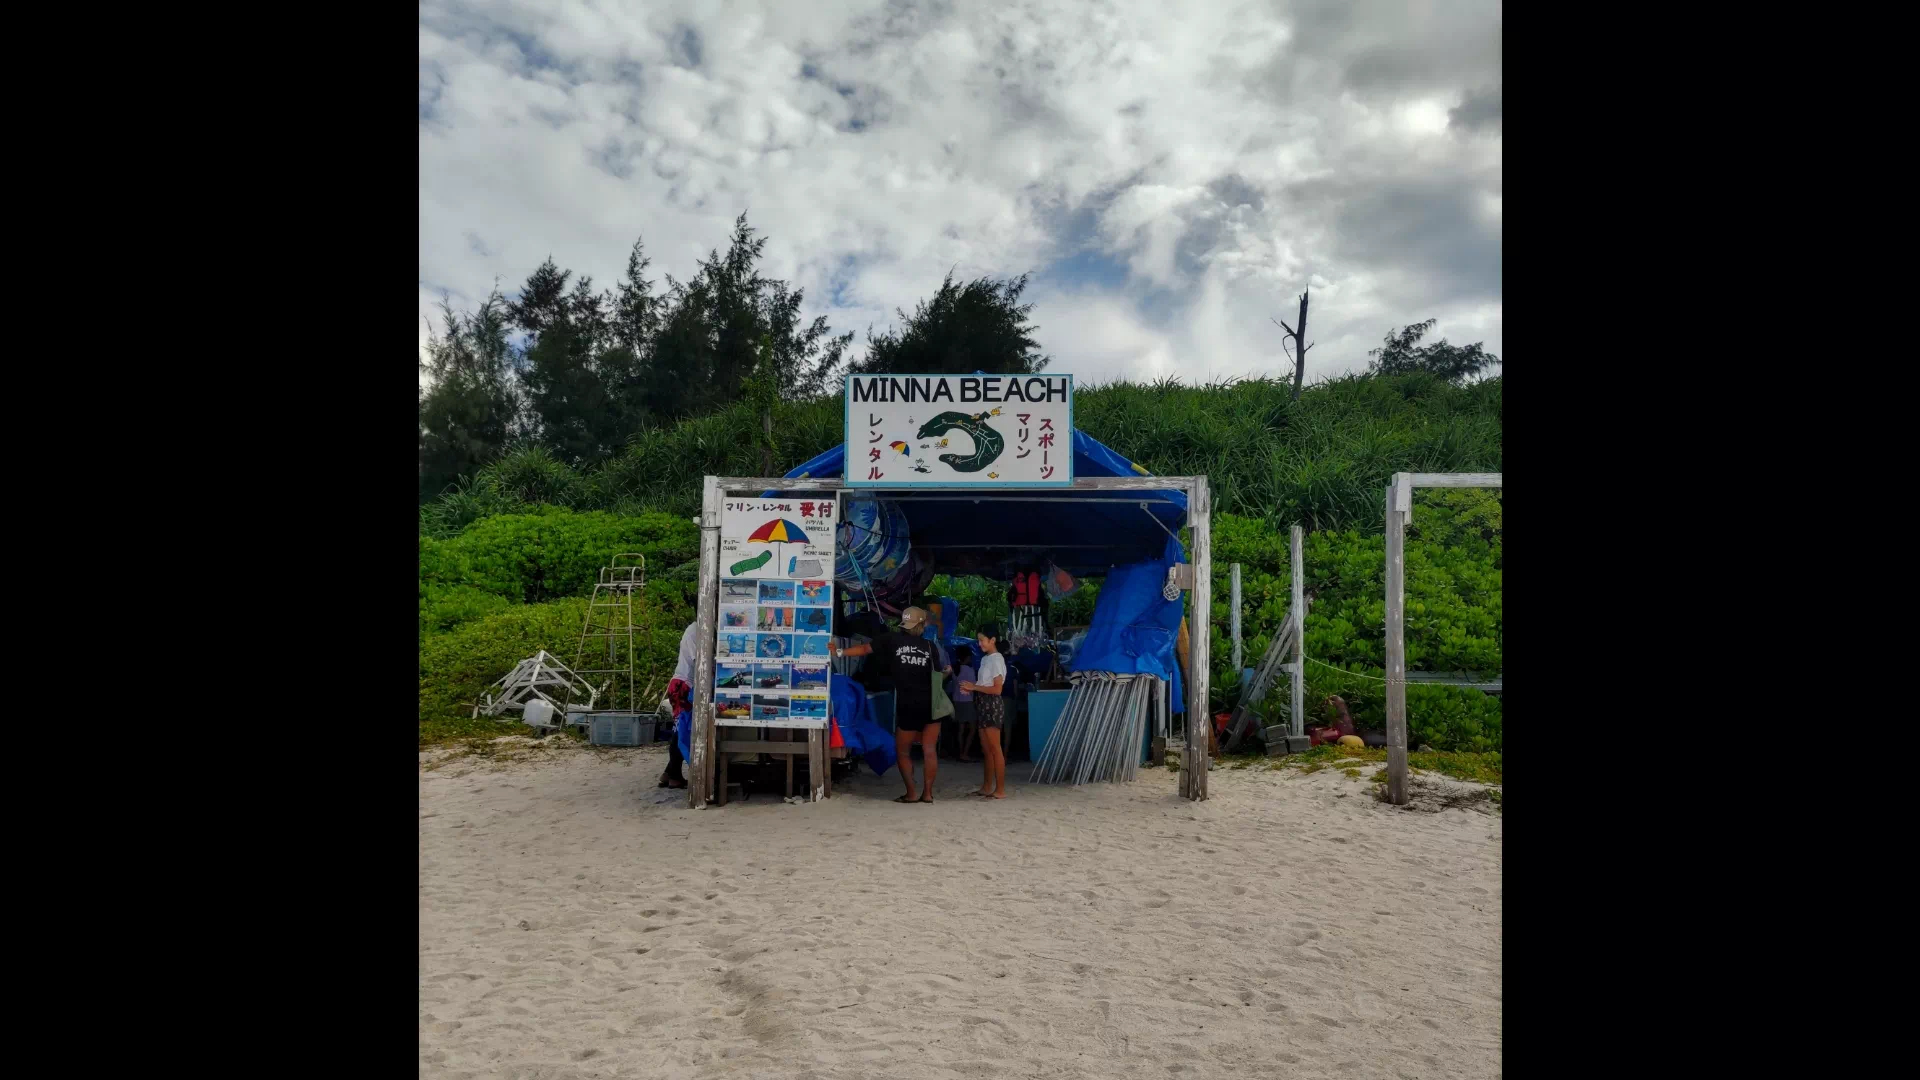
[{"x": 1343, "y": 671}]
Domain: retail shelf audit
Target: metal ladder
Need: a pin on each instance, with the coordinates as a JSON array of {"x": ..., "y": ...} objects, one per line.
[{"x": 612, "y": 628}]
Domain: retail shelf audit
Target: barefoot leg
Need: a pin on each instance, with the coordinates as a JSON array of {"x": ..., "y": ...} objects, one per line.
[
  {"x": 930, "y": 759},
  {"x": 903, "y": 748}
]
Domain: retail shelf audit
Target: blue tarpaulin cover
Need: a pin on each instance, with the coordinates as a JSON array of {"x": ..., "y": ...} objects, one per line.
[
  {"x": 858, "y": 729},
  {"x": 1135, "y": 626},
  {"x": 1083, "y": 539},
  {"x": 949, "y": 617}
]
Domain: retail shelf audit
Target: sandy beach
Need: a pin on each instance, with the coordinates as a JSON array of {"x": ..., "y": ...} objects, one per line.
[{"x": 577, "y": 921}]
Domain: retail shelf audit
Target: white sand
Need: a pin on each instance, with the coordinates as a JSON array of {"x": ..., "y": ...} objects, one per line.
[{"x": 576, "y": 921}]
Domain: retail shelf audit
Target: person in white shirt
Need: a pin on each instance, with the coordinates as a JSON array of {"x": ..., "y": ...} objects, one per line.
[{"x": 989, "y": 689}]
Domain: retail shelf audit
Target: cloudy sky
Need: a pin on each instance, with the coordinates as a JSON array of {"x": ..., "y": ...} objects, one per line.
[{"x": 1172, "y": 174}]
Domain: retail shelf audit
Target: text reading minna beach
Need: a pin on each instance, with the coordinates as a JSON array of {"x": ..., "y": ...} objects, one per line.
[{"x": 972, "y": 388}]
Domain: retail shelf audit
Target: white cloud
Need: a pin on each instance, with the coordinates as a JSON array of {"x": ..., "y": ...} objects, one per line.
[{"x": 1214, "y": 159}]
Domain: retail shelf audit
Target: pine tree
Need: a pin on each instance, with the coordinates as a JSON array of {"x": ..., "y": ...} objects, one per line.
[
  {"x": 979, "y": 326},
  {"x": 469, "y": 412},
  {"x": 1402, "y": 354}
]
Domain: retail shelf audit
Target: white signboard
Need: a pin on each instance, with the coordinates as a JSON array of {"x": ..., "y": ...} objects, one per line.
[
  {"x": 770, "y": 666},
  {"x": 959, "y": 430}
]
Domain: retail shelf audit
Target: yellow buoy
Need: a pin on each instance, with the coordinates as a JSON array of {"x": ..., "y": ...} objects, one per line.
[{"x": 1352, "y": 740}]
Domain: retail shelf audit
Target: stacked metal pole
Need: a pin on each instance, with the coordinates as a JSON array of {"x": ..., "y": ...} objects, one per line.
[{"x": 1102, "y": 732}]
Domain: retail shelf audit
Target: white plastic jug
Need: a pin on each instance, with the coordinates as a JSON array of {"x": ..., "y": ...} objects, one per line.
[{"x": 539, "y": 713}]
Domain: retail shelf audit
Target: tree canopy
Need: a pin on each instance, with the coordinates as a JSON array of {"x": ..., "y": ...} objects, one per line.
[
  {"x": 1402, "y": 354},
  {"x": 978, "y": 326},
  {"x": 580, "y": 373}
]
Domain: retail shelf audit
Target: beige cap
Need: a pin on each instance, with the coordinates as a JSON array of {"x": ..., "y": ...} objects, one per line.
[{"x": 913, "y": 618}]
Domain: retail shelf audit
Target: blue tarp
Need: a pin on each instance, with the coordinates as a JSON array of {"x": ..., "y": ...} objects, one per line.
[
  {"x": 1083, "y": 539},
  {"x": 862, "y": 734},
  {"x": 858, "y": 729},
  {"x": 1135, "y": 626}
]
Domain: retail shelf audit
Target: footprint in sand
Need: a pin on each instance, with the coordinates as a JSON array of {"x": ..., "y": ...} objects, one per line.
[{"x": 1366, "y": 1005}]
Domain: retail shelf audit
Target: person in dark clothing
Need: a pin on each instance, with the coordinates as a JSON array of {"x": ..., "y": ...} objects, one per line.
[
  {"x": 908, "y": 657},
  {"x": 963, "y": 706}
]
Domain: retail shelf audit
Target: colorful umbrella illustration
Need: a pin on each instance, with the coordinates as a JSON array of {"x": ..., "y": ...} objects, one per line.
[
  {"x": 898, "y": 446},
  {"x": 778, "y": 531}
]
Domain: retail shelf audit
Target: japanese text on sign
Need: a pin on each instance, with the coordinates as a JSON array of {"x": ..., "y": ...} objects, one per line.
[
  {"x": 771, "y": 664},
  {"x": 952, "y": 430}
]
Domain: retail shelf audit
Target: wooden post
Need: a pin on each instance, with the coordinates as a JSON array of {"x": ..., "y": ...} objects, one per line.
[
  {"x": 700, "y": 754},
  {"x": 1299, "y": 674},
  {"x": 816, "y": 764},
  {"x": 1199, "y": 719},
  {"x": 1233, "y": 616},
  {"x": 1399, "y": 505},
  {"x": 1164, "y": 706}
]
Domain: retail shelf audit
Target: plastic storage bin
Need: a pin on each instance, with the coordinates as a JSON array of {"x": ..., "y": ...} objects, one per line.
[{"x": 619, "y": 729}]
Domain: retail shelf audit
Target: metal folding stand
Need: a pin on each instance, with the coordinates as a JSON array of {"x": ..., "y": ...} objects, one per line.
[{"x": 612, "y": 629}]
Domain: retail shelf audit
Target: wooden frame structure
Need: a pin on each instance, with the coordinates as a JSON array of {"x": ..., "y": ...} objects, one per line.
[
  {"x": 1193, "y": 760},
  {"x": 1288, "y": 639},
  {"x": 1399, "y": 512}
]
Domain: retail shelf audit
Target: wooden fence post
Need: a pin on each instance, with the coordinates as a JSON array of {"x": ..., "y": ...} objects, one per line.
[
  {"x": 1199, "y": 718},
  {"x": 1299, "y": 726},
  {"x": 1233, "y": 616},
  {"x": 1399, "y": 505},
  {"x": 700, "y": 748}
]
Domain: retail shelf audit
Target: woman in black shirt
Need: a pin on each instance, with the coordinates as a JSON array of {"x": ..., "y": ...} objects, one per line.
[{"x": 909, "y": 658}]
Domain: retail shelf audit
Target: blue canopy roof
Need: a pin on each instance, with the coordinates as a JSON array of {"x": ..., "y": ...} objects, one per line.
[{"x": 1086, "y": 532}]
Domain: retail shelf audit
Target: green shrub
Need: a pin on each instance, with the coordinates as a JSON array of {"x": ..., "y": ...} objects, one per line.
[
  {"x": 525, "y": 475},
  {"x": 443, "y": 607},
  {"x": 1323, "y": 461},
  {"x": 552, "y": 552},
  {"x": 461, "y": 664},
  {"x": 1453, "y": 615}
]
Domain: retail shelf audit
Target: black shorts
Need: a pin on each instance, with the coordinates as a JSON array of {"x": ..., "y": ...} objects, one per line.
[
  {"x": 992, "y": 709},
  {"x": 912, "y": 715}
]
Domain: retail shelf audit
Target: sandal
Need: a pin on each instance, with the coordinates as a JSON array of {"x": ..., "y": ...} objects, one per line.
[{"x": 906, "y": 798}]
